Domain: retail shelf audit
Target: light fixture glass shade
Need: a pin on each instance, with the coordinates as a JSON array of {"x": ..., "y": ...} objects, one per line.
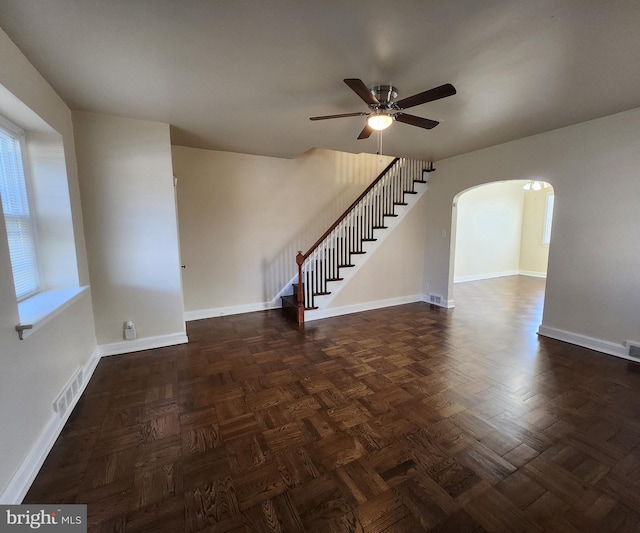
[
  {"x": 535, "y": 185},
  {"x": 379, "y": 121}
]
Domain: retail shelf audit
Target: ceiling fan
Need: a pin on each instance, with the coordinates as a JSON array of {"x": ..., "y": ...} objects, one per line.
[{"x": 384, "y": 108}]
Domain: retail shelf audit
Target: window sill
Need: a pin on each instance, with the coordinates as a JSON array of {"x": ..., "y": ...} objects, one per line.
[{"x": 36, "y": 311}]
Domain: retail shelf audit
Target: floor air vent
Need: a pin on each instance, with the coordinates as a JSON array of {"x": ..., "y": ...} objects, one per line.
[{"x": 69, "y": 394}]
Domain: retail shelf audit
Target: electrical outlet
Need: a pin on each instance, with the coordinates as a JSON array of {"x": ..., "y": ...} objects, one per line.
[{"x": 129, "y": 331}]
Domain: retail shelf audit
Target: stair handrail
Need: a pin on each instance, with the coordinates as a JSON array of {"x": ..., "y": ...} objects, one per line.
[
  {"x": 300, "y": 257},
  {"x": 348, "y": 210}
]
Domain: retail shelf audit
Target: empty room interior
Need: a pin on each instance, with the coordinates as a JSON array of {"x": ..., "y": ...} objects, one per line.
[{"x": 295, "y": 266}]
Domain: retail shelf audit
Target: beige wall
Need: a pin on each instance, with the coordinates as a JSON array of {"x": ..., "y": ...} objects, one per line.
[
  {"x": 131, "y": 225},
  {"x": 57, "y": 252},
  {"x": 498, "y": 231},
  {"x": 534, "y": 255},
  {"x": 243, "y": 218},
  {"x": 35, "y": 371},
  {"x": 488, "y": 230},
  {"x": 592, "y": 275}
]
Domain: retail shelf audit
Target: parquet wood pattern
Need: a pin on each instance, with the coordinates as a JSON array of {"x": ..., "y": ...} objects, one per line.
[{"x": 411, "y": 418}]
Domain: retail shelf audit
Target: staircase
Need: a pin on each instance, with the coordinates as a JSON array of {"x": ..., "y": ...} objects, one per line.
[{"x": 322, "y": 266}]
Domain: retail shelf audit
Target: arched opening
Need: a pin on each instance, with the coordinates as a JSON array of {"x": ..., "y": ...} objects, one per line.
[{"x": 500, "y": 246}]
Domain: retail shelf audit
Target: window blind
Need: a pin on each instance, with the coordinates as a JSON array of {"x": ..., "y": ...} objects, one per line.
[{"x": 17, "y": 216}]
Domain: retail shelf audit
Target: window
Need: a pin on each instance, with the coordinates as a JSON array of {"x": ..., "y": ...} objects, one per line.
[
  {"x": 548, "y": 216},
  {"x": 14, "y": 190}
]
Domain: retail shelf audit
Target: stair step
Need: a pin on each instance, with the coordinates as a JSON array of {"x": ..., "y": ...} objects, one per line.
[
  {"x": 380, "y": 227},
  {"x": 289, "y": 301},
  {"x": 419, "y": 181},
  {"x": 410, "y": 192},
  {"x": 390, "y": 215},
  {"x": 343, "y": 266},
  {"x": 369, "y": 240},
  {"x": 292, "y": 302},
  {"x": 321, "y": 293},
  {"x": 400, "y": 203},
  {"x": 335, "y": 279},
  {"x": 357, "y": 253}
]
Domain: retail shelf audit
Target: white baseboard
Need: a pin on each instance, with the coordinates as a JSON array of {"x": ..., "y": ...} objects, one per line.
[
  {"x": 491, "y": 275},
  {"x": 17, "y": 488},
  {"x": 317, "y": 314},
  {"x": 231, "y": 310},
  {"x": 488, "y": 275},
  {"x": 533, "y": 274},
  {"x": 145, "y": 343},
  {"x": 599, "y": 345}
]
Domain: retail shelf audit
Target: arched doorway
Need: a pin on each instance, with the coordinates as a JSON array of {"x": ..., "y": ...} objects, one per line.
[{"x": 500, "y": 243}]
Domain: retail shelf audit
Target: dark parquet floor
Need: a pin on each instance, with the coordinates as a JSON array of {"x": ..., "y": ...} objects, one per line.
[{"x": 411, "y": 418}]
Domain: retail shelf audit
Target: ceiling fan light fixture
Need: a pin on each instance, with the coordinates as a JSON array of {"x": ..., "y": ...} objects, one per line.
[{"x": 379, "y": 121}]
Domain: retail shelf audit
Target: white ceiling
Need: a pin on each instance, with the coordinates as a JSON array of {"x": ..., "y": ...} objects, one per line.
[{"x": 246, "y": 75}]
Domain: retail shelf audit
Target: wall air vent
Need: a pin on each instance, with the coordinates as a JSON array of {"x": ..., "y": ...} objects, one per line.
[
  {"x": 435, "y": 299},
  {"x": 68, "y": 394},
  {"x": 634, "y": 349}
]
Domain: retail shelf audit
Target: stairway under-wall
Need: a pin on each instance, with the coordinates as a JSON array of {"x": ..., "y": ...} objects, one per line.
[{"x": 336, "y": 257}]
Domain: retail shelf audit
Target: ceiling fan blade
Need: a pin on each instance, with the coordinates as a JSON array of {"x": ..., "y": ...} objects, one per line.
[
  {"x": 366, "y": 132},
  {"x": 358, "y": 87},
  {"x": 425, "y": 123},
  {"x": 427, "y": 96},
  {"x": 325, "y": 117}
]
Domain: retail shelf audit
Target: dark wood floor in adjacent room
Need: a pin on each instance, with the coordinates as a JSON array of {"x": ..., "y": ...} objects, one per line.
[{"x": 410, "y": 418}]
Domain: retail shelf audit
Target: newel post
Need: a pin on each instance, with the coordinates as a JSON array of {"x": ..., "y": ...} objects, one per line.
[{"x": 300, "y": 261}]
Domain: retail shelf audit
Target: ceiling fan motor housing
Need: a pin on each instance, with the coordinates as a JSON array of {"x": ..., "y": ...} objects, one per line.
[{"x": 385, "y": 94}]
